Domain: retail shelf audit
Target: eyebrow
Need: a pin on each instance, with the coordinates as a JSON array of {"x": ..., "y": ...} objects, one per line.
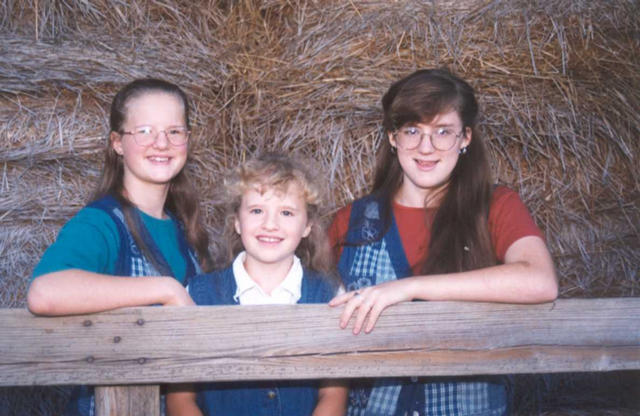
[{"x": 416, "y": 124}]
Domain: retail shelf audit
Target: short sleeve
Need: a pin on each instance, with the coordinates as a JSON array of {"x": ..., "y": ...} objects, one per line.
[
  {"x": 509, "y": 220},
  {"x": 89, "y": 241}
]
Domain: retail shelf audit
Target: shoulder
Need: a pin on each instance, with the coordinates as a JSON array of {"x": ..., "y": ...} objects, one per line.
[
  {"x": 91, "y": 222},
  {"x": 105, "y": 203},
  {"x": 344, "y": 213},
  {"x": 90, "y": 241},
  {"x": 339, "y": 226},
  {"x": 368, "y": 207},
  {"x": 506, "y": 201},
  {"x": 502, "y": 193}
]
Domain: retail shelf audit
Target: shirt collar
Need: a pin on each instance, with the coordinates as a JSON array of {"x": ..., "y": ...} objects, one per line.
[{"x": 292, "y": 282}]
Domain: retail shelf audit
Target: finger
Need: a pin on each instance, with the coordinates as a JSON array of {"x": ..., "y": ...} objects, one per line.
[
  {"x": 373, "y": 317},
  {"x": 349, "y": 308},
  {"x": 340, "y": 299},
  {"x": 363, "y": 311}
]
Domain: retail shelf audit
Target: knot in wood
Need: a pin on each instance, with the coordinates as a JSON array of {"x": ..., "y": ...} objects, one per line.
[
  {"x": 87, "y": 323},
  {"x": 90, "y": 359},
  {"x": 140, "y": 321},
  {"x": 116, "y": 339},
  {"x": 142, "y": 360}
]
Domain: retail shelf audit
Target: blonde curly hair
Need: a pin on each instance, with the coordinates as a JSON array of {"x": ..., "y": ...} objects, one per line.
[{"x": 275, "y": 171}]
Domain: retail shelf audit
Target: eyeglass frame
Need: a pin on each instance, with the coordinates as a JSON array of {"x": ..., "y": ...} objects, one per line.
[
  {"x": 453, "y": 143},
  {"x": 187, "y": 133}
]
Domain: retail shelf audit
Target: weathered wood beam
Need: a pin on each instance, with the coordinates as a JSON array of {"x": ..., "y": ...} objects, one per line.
[
  {"x": 128, "y": 400},
  {"x": 171, "y": 345}
]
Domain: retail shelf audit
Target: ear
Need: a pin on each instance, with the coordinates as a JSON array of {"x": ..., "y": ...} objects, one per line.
[
  {"x": 392, "y": 140},
  {"x": 116, "y": 142},
  {"x": 467, "y": 137},
  {"x": 307, "y": 229},
  {"x": 236, "y": 224}
]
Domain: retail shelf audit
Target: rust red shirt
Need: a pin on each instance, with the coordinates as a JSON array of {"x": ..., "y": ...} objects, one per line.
[{"x": 509, "y": 220}]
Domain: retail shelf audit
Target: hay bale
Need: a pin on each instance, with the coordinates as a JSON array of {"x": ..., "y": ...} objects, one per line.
[{"x": 557, "y": 81}]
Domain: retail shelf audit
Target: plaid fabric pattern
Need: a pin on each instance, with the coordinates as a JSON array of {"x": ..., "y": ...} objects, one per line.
[
  {"x": 373, "y": 261},
  {"x": 140, "y": 266},
  {"x": 384, "y": 398},
  {"x": 372, "y": 264},
  {"x": 441, "y": 399},
  {"x": 474, "y": 398}
]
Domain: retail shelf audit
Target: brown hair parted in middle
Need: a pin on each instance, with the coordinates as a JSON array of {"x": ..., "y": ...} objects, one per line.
[
  {"x": 277, "y": 171},
  {"x": 460, "y": 237},
  {"x": 182, "y": 199}
]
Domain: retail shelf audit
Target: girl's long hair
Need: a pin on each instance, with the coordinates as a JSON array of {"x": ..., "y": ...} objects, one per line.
[
  {"x": 460, "y": 238},
  {"x": 274, "y": 171},
  {"x": 182, "y": 199}
]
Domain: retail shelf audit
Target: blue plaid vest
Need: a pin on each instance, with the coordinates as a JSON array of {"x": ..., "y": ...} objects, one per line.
[
  {"x": 371, "y": 256},
  {"x": 131, "y": 262}
]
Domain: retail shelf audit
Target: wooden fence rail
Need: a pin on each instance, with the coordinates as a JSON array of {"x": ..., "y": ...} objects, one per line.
[{"x": 152, "y": 345}]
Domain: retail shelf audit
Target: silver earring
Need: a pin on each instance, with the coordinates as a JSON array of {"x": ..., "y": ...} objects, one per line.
[{"x": 463, "y": 150}]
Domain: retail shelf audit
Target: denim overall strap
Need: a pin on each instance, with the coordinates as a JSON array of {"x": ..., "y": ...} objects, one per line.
[
  {"x": 219, "y": 288},
  {"x": 189, "y": 255},
  {"x": 215, "y": 288},
  {"x": 292, "y": 397},
  {"x": 131, "y": 262},
  {"x": 368, "y": 259}
]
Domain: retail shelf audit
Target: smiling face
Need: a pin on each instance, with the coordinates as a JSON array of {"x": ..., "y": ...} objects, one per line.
[
  {"x": 159, "y": 162},
  {"x": 271, "y": 225},
  {"x": 426, "y": 169}
]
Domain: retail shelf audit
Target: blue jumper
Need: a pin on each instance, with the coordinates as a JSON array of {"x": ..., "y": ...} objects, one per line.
[
  {"x": 131, "y": 262},
  {"x": 372, "y": 255},
  {"x": 269, "y": 398}
]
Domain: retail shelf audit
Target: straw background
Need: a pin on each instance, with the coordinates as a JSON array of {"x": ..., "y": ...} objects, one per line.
[{"x": 558, "y": 82}]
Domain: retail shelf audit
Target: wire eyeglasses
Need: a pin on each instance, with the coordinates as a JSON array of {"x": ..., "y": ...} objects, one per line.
[
  {"x": 146, "y": 135},
  {"x": 442, "y": 138}
]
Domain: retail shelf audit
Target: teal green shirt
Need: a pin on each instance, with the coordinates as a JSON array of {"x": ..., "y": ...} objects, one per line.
[{"x": 90, "y": 241}]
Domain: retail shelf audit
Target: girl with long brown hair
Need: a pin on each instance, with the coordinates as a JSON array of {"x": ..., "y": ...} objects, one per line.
[
  {"x": 143, "y": 220},
  {"x": 434, "y": 227}
]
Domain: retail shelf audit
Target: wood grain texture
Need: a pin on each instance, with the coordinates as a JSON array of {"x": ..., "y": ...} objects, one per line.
[
  {"x": 128, "y": 400},
  {"x": 223, "y": 343}
]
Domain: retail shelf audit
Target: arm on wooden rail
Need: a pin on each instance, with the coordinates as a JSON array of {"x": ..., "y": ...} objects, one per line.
[{"x": 209, "y": 343}]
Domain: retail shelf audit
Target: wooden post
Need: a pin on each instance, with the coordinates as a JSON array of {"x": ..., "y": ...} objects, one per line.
[{"x": 143, "y": 400}]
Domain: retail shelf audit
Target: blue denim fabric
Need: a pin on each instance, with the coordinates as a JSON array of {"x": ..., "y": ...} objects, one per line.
[
  {"x": 130, "y": 262},
  {"x": 259, "y": 399},
  {"x": 275, "y": 398},
  {"x": 373, "y": 255}
]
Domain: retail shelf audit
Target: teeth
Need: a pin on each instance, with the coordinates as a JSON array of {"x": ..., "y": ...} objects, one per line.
[
  {"x": 426, "y": 162},
  {"x": 158, "y": 159},
  {"x": 269, "y": 239}
]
